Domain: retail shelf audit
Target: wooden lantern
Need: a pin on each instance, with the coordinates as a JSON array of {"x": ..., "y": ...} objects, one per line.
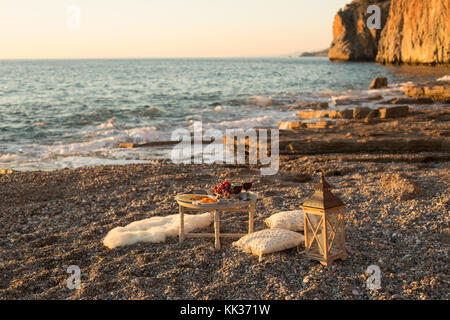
[{"x": 324, "y": 225}]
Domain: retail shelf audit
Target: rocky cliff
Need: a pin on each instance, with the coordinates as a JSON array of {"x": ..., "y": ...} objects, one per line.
[
  {"x": 413, "y": 32},
  {"x": 352, "y": 40},
  {"x": 417, "y": 32}
]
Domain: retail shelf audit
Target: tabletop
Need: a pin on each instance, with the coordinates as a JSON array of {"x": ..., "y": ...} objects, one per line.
[{"x": 231, "y": 205}]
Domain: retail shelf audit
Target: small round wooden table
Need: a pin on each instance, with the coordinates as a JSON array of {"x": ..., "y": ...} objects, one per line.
[{"x": 236, "y": 206}]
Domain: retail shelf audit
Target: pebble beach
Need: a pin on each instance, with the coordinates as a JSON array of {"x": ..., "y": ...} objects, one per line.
[{"x": 396, "y": 218}]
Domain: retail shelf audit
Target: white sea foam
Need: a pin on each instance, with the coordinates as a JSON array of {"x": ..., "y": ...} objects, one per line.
[
  {"x": 104, "y": 141},
  {"x": 106, "y": 125},
  {"x": 79, "y": 162},
  {"x": 9, "y": 157},
  {"x": 143, "y": 135},
  {"x": 261, "y": 101},
  {"x": 244, "y": 123},
  {"x": 444, "y": 78},
  {"x": 40, "y": 124}
]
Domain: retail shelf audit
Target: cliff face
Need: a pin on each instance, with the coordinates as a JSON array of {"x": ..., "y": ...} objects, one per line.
[
  {"x": 352, "y": 40},
  {"x": 417, "y": 32},
  {"x": 413, "y": 31}
]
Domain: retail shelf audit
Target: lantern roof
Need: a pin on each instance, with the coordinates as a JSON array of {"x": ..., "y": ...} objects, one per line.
[{"x": 323, "y": 198}]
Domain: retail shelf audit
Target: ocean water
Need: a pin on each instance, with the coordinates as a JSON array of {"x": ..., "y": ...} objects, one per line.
[{"x": 69, "y": 113}]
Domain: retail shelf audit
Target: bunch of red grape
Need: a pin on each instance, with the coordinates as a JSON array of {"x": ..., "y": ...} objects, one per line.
[{"x": 223, "y": 188}]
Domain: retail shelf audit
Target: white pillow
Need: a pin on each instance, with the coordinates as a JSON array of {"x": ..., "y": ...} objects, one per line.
[
  {"x": 289, "y": 220},
  {"x": 268, "y": 241}
]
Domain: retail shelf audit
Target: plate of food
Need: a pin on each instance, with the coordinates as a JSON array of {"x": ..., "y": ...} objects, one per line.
[
  {"x": 206, "y": 200},
  {"x": 196, "y": 198}
]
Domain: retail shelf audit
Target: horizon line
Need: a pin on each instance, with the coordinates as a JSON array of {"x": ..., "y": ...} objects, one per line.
[
  {"x": 156, "y": 58},
  {"x": 295, "y": 54}
]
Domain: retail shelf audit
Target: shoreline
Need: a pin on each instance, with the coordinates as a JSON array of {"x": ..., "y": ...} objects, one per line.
[{"x": 111, "y": 142}]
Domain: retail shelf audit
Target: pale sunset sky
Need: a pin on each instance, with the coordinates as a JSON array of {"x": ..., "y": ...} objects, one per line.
[{"x": 31, "y": 29}]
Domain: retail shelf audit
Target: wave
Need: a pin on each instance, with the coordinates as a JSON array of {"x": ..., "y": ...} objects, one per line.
[
  {"x": 261, "y": 101},
  {"x": 266, "y": 120},
  {"x": 97, "y": 141},
  {"x": 8, "y": 157}
]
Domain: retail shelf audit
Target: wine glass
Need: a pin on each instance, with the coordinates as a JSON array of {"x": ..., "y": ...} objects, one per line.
[
  {"x": 236, "y": 189},
  {"x": 247, "y": 186}
]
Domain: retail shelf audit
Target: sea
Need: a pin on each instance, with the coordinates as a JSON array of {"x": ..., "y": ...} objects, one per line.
[{"x": 57, "y": 114}]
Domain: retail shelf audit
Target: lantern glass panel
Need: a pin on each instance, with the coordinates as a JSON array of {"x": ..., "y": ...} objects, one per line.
[
  {"x": 315, "y": 233},
  {"x": 334, "y": 233}
]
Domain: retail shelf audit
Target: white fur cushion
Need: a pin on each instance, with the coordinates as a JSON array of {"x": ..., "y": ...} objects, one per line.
[
  {"x": 289, "y": 220},
  {"x": 268, "y": 241},
  {"x": 155, "y": 229}
]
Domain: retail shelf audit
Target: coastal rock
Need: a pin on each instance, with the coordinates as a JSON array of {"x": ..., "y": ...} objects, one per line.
[
  {"x": 412, "y": 32},
  {"x": 417, "y": 32},
  {"x": 290, "y": 125},
  {"x": 352, "y": 100},
  {"x": 311, "y": 114},
  {"x": 319, "y": 124},
  {"x": 358, "y": 113},
  {"x": 344, "y": 114},
  {"x": 321, "y": 53},
  {"x": 394, "y": 112},
  {"x": 313, "y": 105},
  {"x": 372, "y": 120},
  {"x": 361, "y": 112},
  {"x": 409, "y": 101},
  {"x": 6, "y": 171},
  {"x": 332, "y": 114},
  {"x": 433, "y": 90},
  {"x": 127, "y": 145},
  {"x": 379, "y": 83},
  {"x": 373, "y": 114},
  {"x": 352, "y": 40}
]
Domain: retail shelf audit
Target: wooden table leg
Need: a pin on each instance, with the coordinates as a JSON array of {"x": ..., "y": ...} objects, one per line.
[
  {"x": 181, "y": 229},
  {"x": 217, "y": 229},
  {"x": 251, "y": 217}
]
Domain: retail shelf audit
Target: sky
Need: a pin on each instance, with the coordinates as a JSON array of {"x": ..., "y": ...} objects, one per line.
[{"x": 53, "y": 29}]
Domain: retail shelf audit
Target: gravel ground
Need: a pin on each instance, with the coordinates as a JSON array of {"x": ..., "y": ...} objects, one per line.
[{"x": 397, "y": 218}]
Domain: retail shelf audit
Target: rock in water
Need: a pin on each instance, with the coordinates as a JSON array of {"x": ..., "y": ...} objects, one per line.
[
  {"x": 352, "y": 40},
  {"x": 417, "y": 32},
  {"x": 127, "y": 145},
  {"x": 378, "y": 83}
]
